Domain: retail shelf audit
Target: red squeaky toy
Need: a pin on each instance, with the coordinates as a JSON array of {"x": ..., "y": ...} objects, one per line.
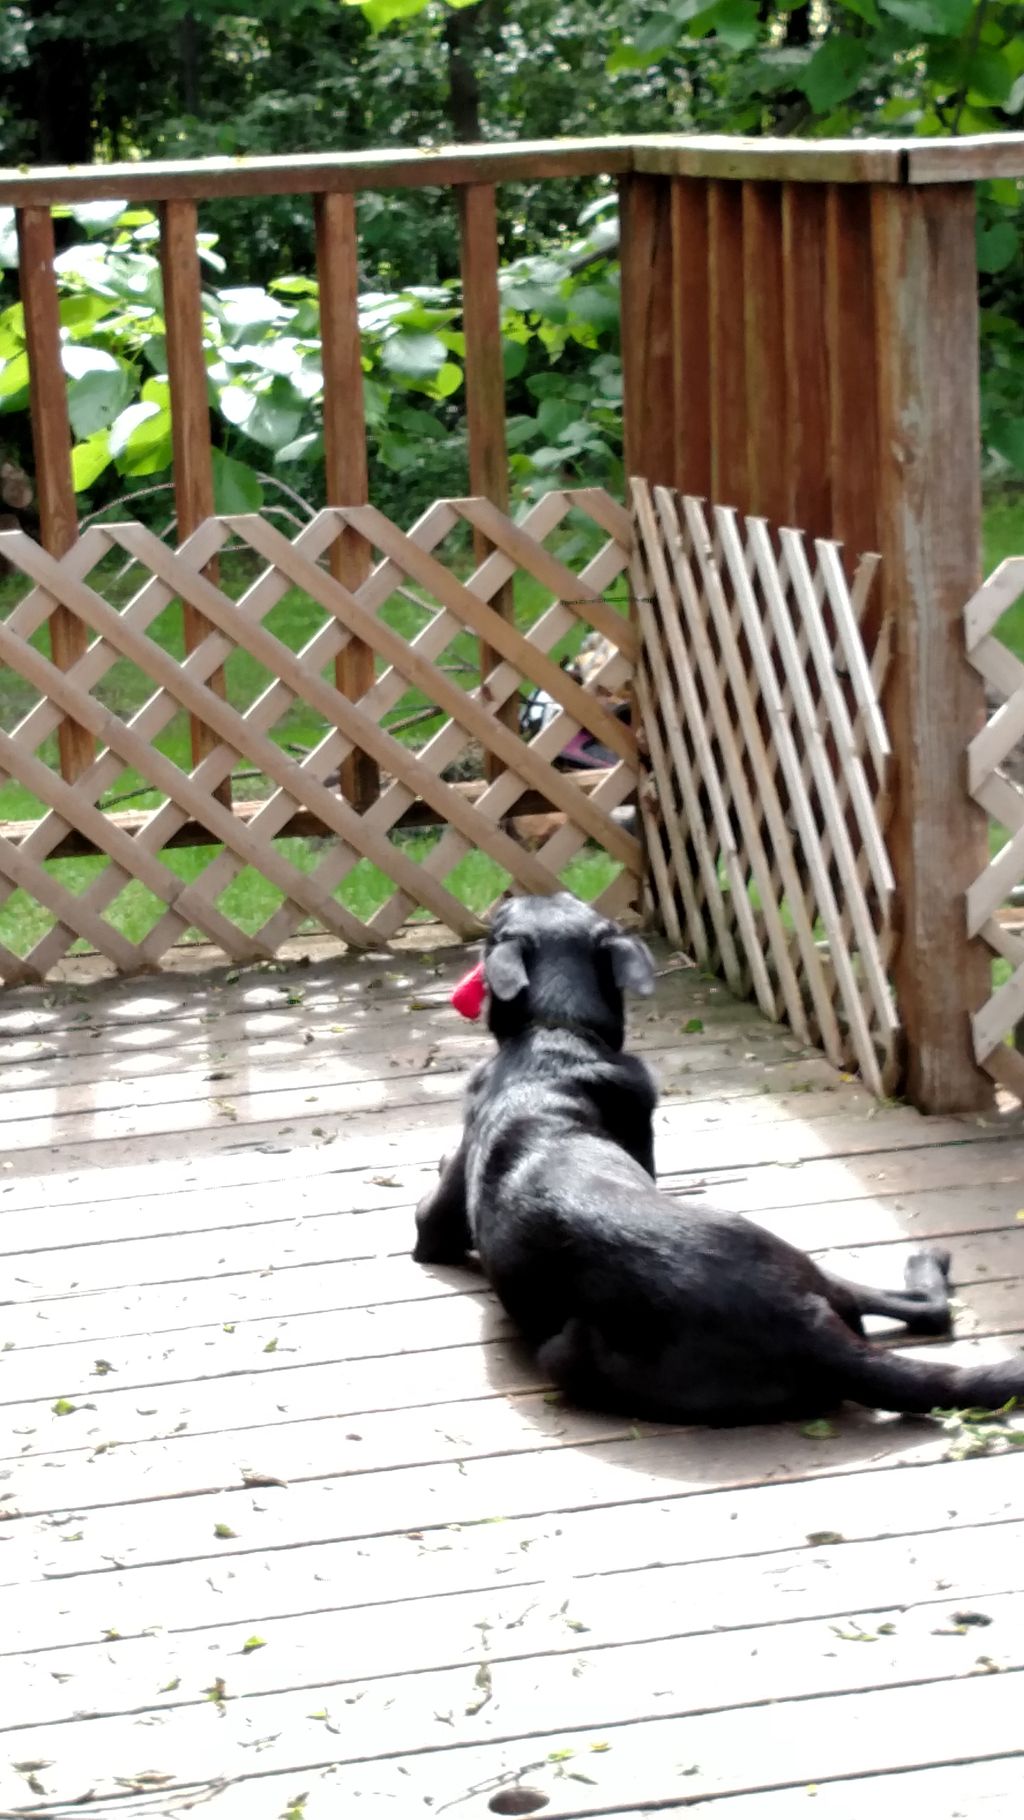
[{"x": 468, "y": 997}]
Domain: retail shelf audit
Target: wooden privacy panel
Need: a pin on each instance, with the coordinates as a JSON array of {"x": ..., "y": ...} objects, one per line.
[
  {"x": 252, "y": 724},
  {"x": 995, "y": 779},
  {"x": 767, "y": 803}
]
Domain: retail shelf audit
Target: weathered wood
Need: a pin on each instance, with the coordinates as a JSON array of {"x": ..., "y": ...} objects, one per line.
[
  {"x": 852, "y": 387},
  {"x": 727, "y": 327},
  {"x": 649, "y": 432},
  {"x": 190, "y": 420},
  {"x": 809, "y": 454},
  {"x": 51, "y": 445},
  {"x": 345, "y": 462},
  {"x": 767, "y": 404},
  {"x": 930, "y": 524},
  {"x": 485, "y": 397},
  {"x": 691, "y": 369}
]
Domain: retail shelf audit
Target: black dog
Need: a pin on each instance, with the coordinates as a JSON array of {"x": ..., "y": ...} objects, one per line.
[{"x": 637, "y": 1305}]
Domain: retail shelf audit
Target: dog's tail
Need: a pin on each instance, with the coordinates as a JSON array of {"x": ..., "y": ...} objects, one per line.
[{"x": 868, "y": 1374}]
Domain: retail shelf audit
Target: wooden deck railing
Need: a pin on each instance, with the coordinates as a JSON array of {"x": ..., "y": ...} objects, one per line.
[{"x": 800, "y": 341}]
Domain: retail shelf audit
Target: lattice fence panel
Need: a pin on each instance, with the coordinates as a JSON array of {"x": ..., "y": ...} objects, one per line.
[
  {"x": 767, "y": 804},
  {"x": 250, "y": 725},
  {"x": 995, "y": 778}
]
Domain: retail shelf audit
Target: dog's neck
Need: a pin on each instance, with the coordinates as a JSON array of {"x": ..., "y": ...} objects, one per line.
[{"x": 567, "y": 1026}]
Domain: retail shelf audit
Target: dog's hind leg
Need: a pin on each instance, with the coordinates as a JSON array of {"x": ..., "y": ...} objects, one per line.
[
  {"x": 923, "y": 1306},
  {"x": 442, "y": 1226}
]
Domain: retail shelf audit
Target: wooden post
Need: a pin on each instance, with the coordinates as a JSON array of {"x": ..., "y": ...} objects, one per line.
[
  {"x": 691, "y": 372},
  {"x": 51, "y": 443},
  {"x": 764, "y": 345},
  {"x": 727, "y": 328},
  {"x": 485, "y": 398},
  {"x": 345, "y": 463},
  {"x": 929, "y": 504},
  {"x": 645, "y": 239},
  {"x": 190, "y": 420}
]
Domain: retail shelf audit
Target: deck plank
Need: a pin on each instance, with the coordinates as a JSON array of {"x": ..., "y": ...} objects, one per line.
[{"x": 214, "y": 1274}]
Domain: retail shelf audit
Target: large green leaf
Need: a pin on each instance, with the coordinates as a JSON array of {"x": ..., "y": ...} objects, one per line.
[
  {"x": 14, "y": 375},
  {"x": 276, "y": 417},
  {"x": 88, "y": 460},
  {"x": 413, "y": 356},
  {"x": 77, "y": 361},
  {"x": 932, "y": 18},
  {"x": 130, "y": 423},
  {"x": 236, "y": 486},
  {"x": 834, "y": 72},
  {"x": 97, "y": 398}
]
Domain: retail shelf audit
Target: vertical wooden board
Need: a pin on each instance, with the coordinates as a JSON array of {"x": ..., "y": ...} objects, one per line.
[
  {"x": 190, "y": 417},
  {"x": 51, "y": 444},
  {"x": 345, "y": 461},
  {"x": 727, "y": 331},
  {"x": 768, "y": 490},
  {"x": 647, "y": 329},
  {"x": 930, "y": 523},
  {"x": 691, "y": 360},
  {"x": 852, "y": 360},
  {"x": 808, "y": 417},
  {"x": 485, "y": 396}
]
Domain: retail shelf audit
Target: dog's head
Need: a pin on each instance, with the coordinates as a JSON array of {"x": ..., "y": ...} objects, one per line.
[{"x": 554, "y": 960}]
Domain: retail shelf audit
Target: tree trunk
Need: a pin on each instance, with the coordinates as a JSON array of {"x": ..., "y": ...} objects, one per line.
[{"x": 460, "y": 36}]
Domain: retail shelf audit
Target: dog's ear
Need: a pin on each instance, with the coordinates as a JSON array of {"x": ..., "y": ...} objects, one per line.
[
  {"x": 504, "y": 970},
  {"x": 632, "y": 966}
]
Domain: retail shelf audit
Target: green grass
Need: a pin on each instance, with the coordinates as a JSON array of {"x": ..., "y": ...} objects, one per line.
[{"x": 250, "y": 899}]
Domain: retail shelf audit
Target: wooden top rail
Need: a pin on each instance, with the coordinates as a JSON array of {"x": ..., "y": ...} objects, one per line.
[{"x": 897, "y": 161}]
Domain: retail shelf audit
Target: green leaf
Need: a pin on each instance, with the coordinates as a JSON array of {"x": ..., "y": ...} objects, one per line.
[
  {"x": 594, "y": 305},
  {"x": 932, "y": 18},
  {"x": 8, "y": 241},
  {"x": 14, "y": 375},
  {"x": 555, "y": 416},
  {"x": 63, "y": 1408},
  {"x": 309, "y": 444},
  {"x": 413, "y": 356},
  {"x": 276, "y": 418},
  {"x": 693, "y": 1027},
  {"x": 379, "y": 14},
  {"x": 1007, "y": 438},
  {"x": 736, "y": 23},
  {"x": 252, "y": 1643},
  {"x": 236, "y": 487},
  {"x": 96, "y": 399},
  {"x": 834, "y": 72},
  {"x": 129, "y": 423},
  {"x": 77, "y": 361},
  {"x": 224, "y": 1532},
  {"x": 249, "y": 304},
  {"x": 447, "y": 381},
  {"x": 89, "y": 458},
  {"x": 988, "y": 75},
  {"x": 81, "y": 313},
  {"x": 997, "y": 246},
  {"x": 236, "y": 404}
]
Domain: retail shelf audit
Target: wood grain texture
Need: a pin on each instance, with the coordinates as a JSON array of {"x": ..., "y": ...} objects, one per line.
[
  {"x": 853, "y": 449},
  {"x": 930, "y": 523},
  {"x": 51, "y": 446},
  {"x": 691, "y": 367},
  {"x": 729, "y": 471},
  {"x": 345, "y": 458},
  {"x": 767, "y": 393},
  {"x": 190, "y": 420},
  {"x": 809, "y": 453},
  {"x": 649, "y": 432}
]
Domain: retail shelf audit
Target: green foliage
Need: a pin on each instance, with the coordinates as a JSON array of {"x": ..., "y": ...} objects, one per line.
[
  {"x": 265, "y": 377},
  {"x": 106, "y": 78}
]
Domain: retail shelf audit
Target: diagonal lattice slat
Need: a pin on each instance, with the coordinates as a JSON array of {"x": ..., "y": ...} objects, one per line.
[
  {"x": 761, "y": 712},
  {"x": 993, "y": 774},
  {"x": 454, "y": 607}
]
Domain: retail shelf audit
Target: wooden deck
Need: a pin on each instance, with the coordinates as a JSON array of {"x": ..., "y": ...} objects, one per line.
[{"x": 294, "y": 1528}]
